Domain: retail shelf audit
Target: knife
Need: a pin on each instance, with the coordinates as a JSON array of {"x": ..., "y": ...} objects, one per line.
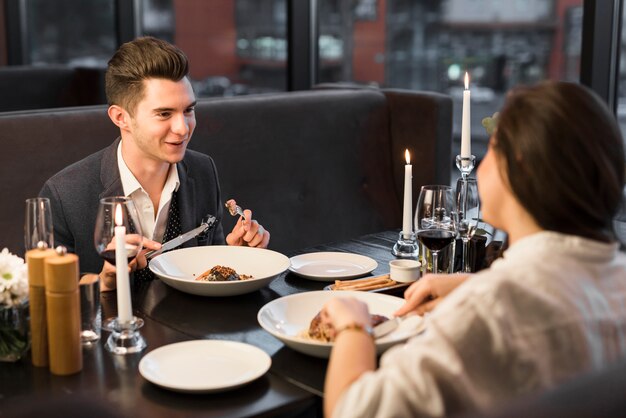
[
  {"x": 173, "y": 243},
  {"x": 386, "y": 327}
]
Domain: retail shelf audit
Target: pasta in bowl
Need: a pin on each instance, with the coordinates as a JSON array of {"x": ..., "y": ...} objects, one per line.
[
  {"x": 288, "y": 319},
  {"x": 195, "y": 270}
]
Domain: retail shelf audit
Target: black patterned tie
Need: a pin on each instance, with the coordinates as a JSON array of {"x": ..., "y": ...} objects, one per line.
[{"x": 172, "y": 230}]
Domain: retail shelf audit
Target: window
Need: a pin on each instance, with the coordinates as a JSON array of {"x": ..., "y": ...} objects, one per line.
[
  {"x": 234, "y": 46},
  {"x": 73, "y": 32},
  {"x": 621, "y": 87},
  {"x": 428, "y": 45}
]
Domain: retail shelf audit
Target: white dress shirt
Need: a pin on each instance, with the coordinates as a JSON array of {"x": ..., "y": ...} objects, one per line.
[
  {"x": 553, "y": 307},
  {"x": 152, "y": 227}
]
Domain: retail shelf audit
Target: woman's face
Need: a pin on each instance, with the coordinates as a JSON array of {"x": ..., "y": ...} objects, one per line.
[{"x": 492, "y": 188}]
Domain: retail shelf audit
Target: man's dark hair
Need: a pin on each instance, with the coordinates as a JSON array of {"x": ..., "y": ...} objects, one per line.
[{"x": 139, "y": 60}]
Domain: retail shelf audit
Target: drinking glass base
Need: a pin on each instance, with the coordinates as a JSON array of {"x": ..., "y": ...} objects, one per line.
[
  {"x": 406, "y": 246},
  {"x": 124, "y": 338}
]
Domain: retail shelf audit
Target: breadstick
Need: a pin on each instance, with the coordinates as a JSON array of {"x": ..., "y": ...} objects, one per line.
[
  {"x": 341, "y": 283},
  {"x": 377, "y": 281},
  {"x": 368, "y": 287},
  {"x": 363, "y": 284}
]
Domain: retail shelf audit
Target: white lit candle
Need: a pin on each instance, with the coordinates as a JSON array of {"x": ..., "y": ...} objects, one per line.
[
  {"x": 407, "y": 227},
  {"x": 124, "y": 304},
  {"x": 466, "y": 126}
]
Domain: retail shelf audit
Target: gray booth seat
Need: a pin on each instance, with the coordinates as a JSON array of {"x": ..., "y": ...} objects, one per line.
[
  {"x": 51, "y": 86},
  {"x": 315, "y": 166}
]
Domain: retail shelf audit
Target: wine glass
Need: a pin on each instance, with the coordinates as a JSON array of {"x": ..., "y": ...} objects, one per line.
[
  {"x": 435, "y": 220},
  {"x": 468, "y": 212},
  {"x": 38, "y": 223},
  {"x": 113, "y": 212}
]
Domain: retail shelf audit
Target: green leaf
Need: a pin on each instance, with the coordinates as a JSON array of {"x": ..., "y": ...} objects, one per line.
[{"x": 490, "y": 123}]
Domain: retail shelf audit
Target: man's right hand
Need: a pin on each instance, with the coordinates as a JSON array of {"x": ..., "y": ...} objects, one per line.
[
  {"x": 108, "y": 276},
  {"x": 423, "y": 295}
]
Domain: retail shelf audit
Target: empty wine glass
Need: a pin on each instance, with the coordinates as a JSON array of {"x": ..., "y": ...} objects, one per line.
[
  {"x": 468, "y": 212},
  {"x": 435, "y": 220},
  {"x": 109, "y": 217},
  {"x": 38, "y": 223}
]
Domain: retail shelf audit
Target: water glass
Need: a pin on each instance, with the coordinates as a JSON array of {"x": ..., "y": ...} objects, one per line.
[
  {"x": 38, "y": 223},
  {"x": 468, "y": 215},
  {"x": 90, "y": 317}
]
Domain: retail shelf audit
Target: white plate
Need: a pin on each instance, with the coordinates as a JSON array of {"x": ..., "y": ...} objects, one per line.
[
  {"x": 204, "y": 366},
  {"x": 328, "y": 266},
  {"x": 287, "y": 317},
  {"x": 179, "y": 268}
]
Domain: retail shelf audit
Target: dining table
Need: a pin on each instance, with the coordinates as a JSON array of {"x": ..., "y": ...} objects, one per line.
[{"x": 293, "y": 386}]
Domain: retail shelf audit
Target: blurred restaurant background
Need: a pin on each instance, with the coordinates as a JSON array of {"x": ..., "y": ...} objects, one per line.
[{"x": 244, "y": 47}]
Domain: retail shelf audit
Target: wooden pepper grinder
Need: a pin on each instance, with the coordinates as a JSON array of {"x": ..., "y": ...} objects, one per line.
[
  {"x": 37, "y": 304},
  {"x": 63, "y": 313}
]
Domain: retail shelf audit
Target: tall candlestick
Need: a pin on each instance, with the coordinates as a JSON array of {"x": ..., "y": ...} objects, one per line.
[
  {"x": 466, "y": 128},
  {"x": 408, "y": 197},
  {"x": 124, "y": 304}
]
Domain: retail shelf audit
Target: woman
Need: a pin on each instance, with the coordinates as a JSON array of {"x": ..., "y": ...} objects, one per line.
[{"x": 551, "y": 308}]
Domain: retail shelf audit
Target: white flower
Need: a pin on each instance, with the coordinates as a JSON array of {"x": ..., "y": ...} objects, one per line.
[{"x": 13, "y": 278}]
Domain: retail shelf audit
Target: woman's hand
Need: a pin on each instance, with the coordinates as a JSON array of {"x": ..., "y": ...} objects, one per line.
[
  {"x": 423, "y": 295},
  {"x": 341, "y": 312},
  {"x": 353, "y": 354},
  {"x": 248, "y": 232}
]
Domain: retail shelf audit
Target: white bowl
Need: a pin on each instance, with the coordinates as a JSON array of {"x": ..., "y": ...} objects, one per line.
[
  {"x": 288, "y": 317},
  {"x": 179, "y": 268},
  {"x": 404, "y": 271}
]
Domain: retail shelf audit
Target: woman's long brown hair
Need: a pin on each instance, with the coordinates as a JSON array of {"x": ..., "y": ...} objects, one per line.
[{"x": 563, "y": 156}]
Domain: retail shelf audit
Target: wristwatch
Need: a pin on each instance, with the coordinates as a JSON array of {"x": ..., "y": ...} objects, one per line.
[{"x": 356, "y": 327}]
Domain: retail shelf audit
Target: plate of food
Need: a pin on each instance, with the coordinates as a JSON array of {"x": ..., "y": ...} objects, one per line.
[
  {"x": 293, "y": 320},
  {"x": 219, "y": 270},
  {"x": 326, "y": 266},
  {"x": 204, "y": 366}
]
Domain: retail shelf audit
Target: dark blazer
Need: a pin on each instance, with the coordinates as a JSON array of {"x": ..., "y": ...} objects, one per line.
[{"x": 75, "y": 191}]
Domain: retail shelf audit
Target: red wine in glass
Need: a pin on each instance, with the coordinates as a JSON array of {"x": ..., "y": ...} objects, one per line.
[
  {"x": 435, "y": 239},
  {"x": 113, "y": 212},
  {"x": 109, "y": 255}
]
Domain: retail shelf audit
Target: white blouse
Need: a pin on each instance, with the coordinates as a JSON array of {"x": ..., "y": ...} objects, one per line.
[{"x": 554, "y": 306}]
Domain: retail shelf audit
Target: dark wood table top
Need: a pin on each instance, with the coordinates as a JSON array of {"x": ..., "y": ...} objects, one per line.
[{"x": 292, "y": 387}]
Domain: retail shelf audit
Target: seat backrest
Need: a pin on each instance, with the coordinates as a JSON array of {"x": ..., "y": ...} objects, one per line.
[
  {"x": 53, "y": 86},
  {"x": 593, "y": 395},
  {"x": 314, "y": 166}
]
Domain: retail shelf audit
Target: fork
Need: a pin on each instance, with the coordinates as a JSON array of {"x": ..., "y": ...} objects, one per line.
[{"x": 234, "y": 209}]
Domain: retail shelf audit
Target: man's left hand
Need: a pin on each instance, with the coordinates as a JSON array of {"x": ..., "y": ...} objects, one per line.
[{"x": 248, "y": 232}]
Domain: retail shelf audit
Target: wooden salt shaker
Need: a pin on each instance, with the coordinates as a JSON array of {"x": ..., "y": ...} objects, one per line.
[
  {"x": 37, "y": 304},
  {"x": 63, "y": 313}
]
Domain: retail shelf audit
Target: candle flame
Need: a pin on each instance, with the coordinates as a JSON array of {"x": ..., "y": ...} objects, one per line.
[
  {"x": 118, "y": 215},
  {"x": 466, "y": 80},
  {"x": 407, "y": 156}
]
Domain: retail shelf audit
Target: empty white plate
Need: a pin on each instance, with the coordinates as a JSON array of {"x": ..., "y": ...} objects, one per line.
[
  {"x": 328, "y": 266},
  {"x": 204, "y": 366}
]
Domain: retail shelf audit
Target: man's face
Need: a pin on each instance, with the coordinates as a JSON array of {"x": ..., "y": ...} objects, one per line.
[{"x": 164, "y": 120}]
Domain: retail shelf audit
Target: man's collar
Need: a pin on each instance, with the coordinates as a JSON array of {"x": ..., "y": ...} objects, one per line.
[{"x": 130, "y": 184}]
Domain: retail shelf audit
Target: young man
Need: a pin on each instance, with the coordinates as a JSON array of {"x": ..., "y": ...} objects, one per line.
[{"x": 152, "y": 102}]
